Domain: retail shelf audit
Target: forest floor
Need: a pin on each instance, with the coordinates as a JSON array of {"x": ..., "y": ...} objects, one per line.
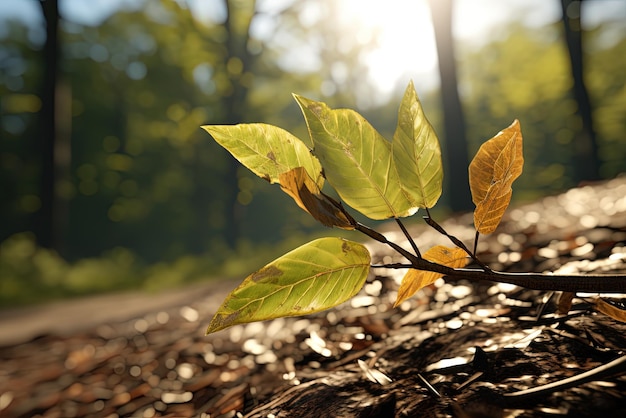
[{"x": 457, "y": 349}]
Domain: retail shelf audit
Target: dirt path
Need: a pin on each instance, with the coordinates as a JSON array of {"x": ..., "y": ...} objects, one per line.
[{"x": 68, "y": 317}]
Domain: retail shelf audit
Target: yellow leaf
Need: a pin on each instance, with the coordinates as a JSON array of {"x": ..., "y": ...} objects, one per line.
[
  {"x": 415, "y": 280},
  {"x": 610, "y": 310},
  {"x": 498, "y": 162},
  {"x": 302, "y": 188}
]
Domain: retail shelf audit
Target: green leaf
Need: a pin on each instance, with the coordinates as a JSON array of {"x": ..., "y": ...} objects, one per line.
[
  {"x": 357, "y": 161},
  {"x": 266, "y": 150},
  {"x": 311, "y": 278},
  {"x": 416, "y": 152}
]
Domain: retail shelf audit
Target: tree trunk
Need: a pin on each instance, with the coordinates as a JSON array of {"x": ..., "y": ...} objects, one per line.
[
  {"x": 45, "y": 144},
  {"x": 454, "y": 123},
  {"x": 235, "y": 105},
  {"x": 62, "y": 165},
  {"x": 585, "y": 146},
  {"x": 237, "y": 61}
]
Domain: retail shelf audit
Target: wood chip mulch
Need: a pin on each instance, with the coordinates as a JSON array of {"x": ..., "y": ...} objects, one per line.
[{"x": 457, "y": 349}]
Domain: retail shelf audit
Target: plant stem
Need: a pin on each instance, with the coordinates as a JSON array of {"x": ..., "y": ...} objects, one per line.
[
  {"x": 476, "y": 242},
  {"x": 409, "y": 237},
  {"x": 381, "y": 238},
  {"x": 430, "y": 221},
  {"x": 592, "y": 283}
]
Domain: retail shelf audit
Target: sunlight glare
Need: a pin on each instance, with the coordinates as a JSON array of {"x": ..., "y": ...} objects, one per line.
[{"x": 404, "y": 46}]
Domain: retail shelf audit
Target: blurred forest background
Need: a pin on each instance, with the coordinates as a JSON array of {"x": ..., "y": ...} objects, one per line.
[{"x": 107, "y": 181}]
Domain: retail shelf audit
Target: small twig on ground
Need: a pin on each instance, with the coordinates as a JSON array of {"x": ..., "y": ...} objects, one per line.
[
  {"x": 428, "y": 386},
  {"x": 617, "y": 366}
]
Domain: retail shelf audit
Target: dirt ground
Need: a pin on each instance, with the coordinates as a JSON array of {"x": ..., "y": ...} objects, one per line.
[
  {"x": 457, "y": 349},
  {"x": 67, "y": 317}
]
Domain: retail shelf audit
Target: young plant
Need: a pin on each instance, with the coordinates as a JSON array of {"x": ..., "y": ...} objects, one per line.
[{"x": 381, "y": 179}]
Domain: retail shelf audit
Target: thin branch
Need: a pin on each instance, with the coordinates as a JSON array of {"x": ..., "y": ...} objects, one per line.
[
  {"x": 590, "y": 283},
  {"x": 409, "y": 237},
  {"x": 382, "y": 239},
  {"x": 476, "y": 242},
  {"x": 430, "y": 221},
  {"x": 392, "y": 266}
]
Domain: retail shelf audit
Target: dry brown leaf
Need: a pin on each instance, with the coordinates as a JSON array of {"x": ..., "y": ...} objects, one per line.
[
  {"x": 610, "y": 310},
  {"x": 498, "y": 162},
  {"x": 565, "y": 302},
  {"x": 415, "y": 280},
  {"x": 300, "y": 186}
]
